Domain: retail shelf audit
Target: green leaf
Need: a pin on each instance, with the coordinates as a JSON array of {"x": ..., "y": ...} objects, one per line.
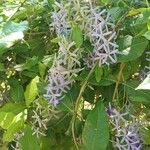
[
  {"x": 16, "y": 125},
  {"x": 13, "y": 108},
  {"x": 143, "y": 18},
  {"x": 146, "y": 136},
  {"x": 16, "y": 90},
  {"x": 134, "y": 51},
  {"x": 12, "y": 118},
  {"x": 42, "y": 69},
  {"x": 31, "y": 62},
  {"x": 88, "y": 48},
  {"x": 137, "y": 11},
  {"x": 50, "y": 3},
  {"x": 142, "y": 96},
  {"x": 8, "y": 112},
  {"x": 145, "y": 85},
  {"x": 105, "y": 1},
  {"x": 98, "y": 73},
  {"x": 70, "y": 97},
  {"x": 11, "y": 32},
  {"x": 2, "y": 68},
  {"x": 77, "y": 35},
  {"x": 31, "y": 91},
  {"x": 29, "y": 141},
  {"x": 116, "y": 13},
  {"x": 147, "y": 35},
  {"x": 96, "y": 129},
  {"x": 10, "y": 27}
]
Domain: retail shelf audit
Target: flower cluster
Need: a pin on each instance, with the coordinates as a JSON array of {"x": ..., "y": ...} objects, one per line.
[
  {"x": 66, "y": 64},
  {"x": 38, "y": 124},
  {"x": 97, "y": 27},
  {"x": 100, "y": 30},
  {"x": 61, "y": 74},
  {"x": 60, "y": 22},
  {"x": 40, "y": 117},
  {"x": 127, "y": 135}
]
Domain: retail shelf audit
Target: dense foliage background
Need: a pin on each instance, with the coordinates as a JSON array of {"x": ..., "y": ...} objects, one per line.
[{"x": 87, "y": 116}]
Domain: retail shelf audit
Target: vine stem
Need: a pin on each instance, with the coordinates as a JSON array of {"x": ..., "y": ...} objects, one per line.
[
  {"x": 122, "y": 65},
  {"x": 77, "y": 105}
]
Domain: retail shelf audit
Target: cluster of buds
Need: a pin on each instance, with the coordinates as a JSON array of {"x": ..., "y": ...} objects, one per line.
[
  {"x": 100, "y": 30},
  {"x": 127, "y": 135}
]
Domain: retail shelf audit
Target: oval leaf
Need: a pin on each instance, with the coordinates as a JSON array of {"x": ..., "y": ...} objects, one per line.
[
  {"x": 29, "y": 141},
  {"x": 77, "y": 35},
  {"x": 31, "y": 91},
  {"x": 96, "y": 129},
  {"x": 134, "y": 51}
]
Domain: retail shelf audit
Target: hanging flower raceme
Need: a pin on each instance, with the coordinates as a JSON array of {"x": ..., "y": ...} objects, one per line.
[
  {"x": 68, "y": 55},
  {"x": 100, "y": 30},
  {"x": 60, "y": 75},
  {"x": 60, "y": 23},
  {"x": 58, "y": 84},
  {"x": 127, "y": 135},
  {"x": 41, "y": 115}
]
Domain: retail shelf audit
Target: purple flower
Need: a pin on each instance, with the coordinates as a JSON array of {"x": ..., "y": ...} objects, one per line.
[
  {"x": 60, "y": 22},
  {"x": 60, "y": 75},
  {"x": 127, "y": 135},
  {"x": 58, "y": 84},
  {"x": 101, "y": 33},
  {"x": 110, "y": 110}
]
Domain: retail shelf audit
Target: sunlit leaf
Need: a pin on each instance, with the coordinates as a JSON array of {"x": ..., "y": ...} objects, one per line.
[
  {"x": 142, "y": 96},
  {"x": 31, "y": 91},
  {"x": 11, "y": 32},
  {"x": 145, "y": 84}
]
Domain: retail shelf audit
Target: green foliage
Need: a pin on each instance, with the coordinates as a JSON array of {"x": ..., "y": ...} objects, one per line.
[
  {"x": 31, "y": 91},
  {"x": 135, "y": 50},
  {"x": 145, "y": 84},
  {"x": 11, "y": 32},
  {"x": 12, "y": 118},
  {"x": 96, "y": 129},
  {"x": 77, "y": 35},
  {"x": 29, "y": 141},
  {"x": 137, "y": 95},
  {"x": 98, "y": 73},
  {"x": 16, "y": 91},
  {"x": 28, "y": 49}
]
